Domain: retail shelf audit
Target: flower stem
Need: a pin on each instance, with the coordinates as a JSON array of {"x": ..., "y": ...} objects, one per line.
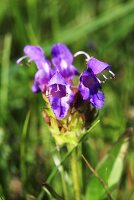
[
  {"x": 62, "y": 173},
  {"x": 75, "y": 177},
  {"x": 64, "y": 185}
]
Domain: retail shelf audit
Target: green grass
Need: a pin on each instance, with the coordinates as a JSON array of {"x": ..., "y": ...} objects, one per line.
[{"x": 105, "y": 30}]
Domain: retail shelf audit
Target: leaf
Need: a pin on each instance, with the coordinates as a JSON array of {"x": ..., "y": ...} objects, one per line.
[
  {"x": 81, "y": 31},
  {"x": 85, "y": 135},
  {"x": 52, "y": 192},
  {"x": 110, "y": 169},
  {"x": 55, "y": 170},
  {"x": 23, "y": 147},
  {"x": 5, "y": 65}
]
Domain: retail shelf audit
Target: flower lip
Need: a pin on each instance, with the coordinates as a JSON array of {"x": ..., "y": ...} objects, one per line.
[
  {"x": 89, "y": 89},
  {"x": 57, "y": 86},
  {"x": 98, "y": 99},
  {"x": 89, "y": 80},
  {"x": 58, "y": 91},
  {"x": 60, "y": 95}
]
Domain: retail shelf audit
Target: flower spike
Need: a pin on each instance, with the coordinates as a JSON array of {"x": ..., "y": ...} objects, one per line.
[{"x": 57, "y": 85}]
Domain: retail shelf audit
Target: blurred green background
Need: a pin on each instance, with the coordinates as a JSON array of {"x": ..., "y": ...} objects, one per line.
[{"x": 102, "y": 28}]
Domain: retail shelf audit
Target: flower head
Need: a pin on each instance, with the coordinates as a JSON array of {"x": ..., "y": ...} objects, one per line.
[
  {"x": 57, "y": 85},
  {"x": 60, "y": 95},
  {"x": 63, "y": 98},
  {"x": 62, "y": 59}
]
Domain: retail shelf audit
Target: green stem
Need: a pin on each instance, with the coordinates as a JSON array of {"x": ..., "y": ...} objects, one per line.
[
  {"x": 75, "y": 177},
  {"x": 63, "y": 178},
  {"x": 64, "y": 184}
]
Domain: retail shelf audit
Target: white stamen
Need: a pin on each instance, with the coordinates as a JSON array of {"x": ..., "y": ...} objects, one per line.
[
  {"x": 103, "y": 81},
  {"x": 20, "y": 59},
  {"x": 47, "y": 93},
  {"x": 84, "y": 53},
  {"x": 112, "y": 73},
  {"x": 29, "y": 60},
  {"x": 104, "y": 76},
  {"x": 58, "y": 89},
  {"x": 98, "y": 80}
]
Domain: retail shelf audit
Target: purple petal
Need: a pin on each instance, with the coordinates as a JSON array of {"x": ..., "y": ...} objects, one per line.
[
  {"x": 89, "y": 80},
  {"x": 84, "y": 91},
  {"x": 89, "y": 87},
  {"x": 44, "y": 64},
  {"x": 42, "y": 76},
  {"x": 98, "y": 99},
  {"x": 60, "y": 95},
  {"x": 97, "y": 66},
  {"x": 62, "y": 59},
  {"x": 35, "y": 53},
  {"x": 69, "y": 72},
  {"x": 61, "y": 52},
  {"x": 35, "y": 87},
  {"x": 57, "y": 78},
  {"x": 60, "y": 110},
  {"x": 57, "y": 90},
  {"x": 61, "y": 106},
  {"x": 41, "y": 79}
]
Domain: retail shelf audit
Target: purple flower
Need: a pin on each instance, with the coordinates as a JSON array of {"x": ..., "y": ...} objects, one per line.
[
  {"x": 96, "y": 66},
  {"x": 44, "y": 73},
  {"x": 34, "y": 53},
  {"x": 89, "y": 82},
  {"x": 62, "y": 59},
  {"x": 89, "y": 89},
  {"x": 60, "y": 95}
]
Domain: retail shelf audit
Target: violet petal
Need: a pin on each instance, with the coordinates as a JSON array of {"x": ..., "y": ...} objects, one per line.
[
  {"x": 62, "y": 59},
  {"x": 97, "y": 66},
  {"x": 60, "y": 95},
  {"x": 98, "y": 99},
  {"x": 35, "y": 53}
]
